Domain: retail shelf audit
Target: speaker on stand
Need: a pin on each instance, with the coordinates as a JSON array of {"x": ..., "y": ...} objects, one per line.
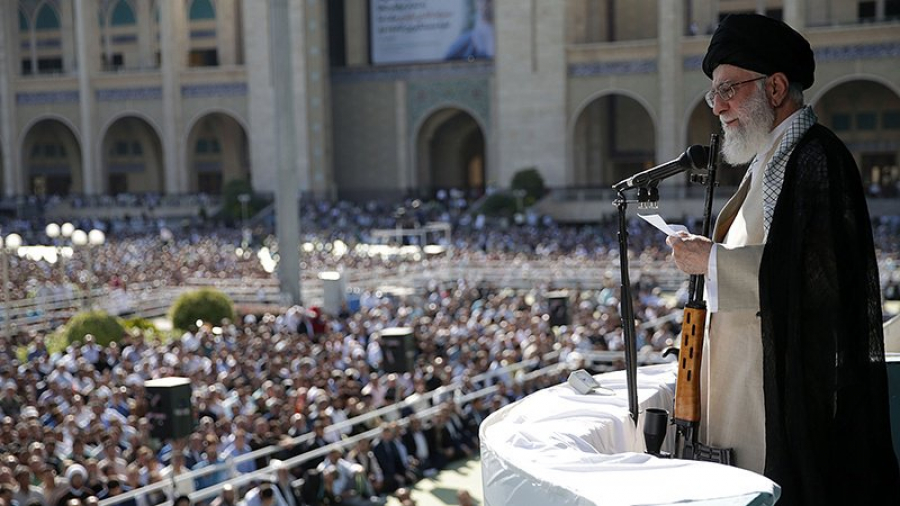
[
  {"x": 170, "y": 412},
  {"x": 558, "y": 308},
  {"x": 398, "y": 345}
]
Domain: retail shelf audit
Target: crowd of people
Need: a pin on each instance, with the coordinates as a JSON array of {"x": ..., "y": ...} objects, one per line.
[{"x": 72, "y": 423}]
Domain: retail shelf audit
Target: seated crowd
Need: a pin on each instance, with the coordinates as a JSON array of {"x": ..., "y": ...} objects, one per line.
[
  {"x": 72, "y": 425},
  {"x": 73, "y": 428}
]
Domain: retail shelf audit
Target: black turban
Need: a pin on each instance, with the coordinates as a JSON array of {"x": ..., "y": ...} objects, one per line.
[{"x": 763, "y": 45}]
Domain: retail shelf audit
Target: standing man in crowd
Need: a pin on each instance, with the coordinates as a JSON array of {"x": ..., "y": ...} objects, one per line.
[{"x": 794, "y": 377}]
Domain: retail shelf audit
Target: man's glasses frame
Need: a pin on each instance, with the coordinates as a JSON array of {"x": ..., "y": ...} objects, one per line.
[{"x": 725, "y": 91}]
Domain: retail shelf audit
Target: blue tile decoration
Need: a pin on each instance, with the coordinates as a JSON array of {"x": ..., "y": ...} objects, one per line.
[
  {"x": 207, "y": 167},
  {"x": 693, "y": 62},
  {"x": 203, "y": 34},
  {"x": 115, "y": 94},
  {"x": 46, "y": 97},
  {"x": 832, "y": 53},
  {"x": 42, "y": 169},
  {"x": 612, "y": 68},
  {"x": 862, "y": 52},
  {"x": 49, "y": 43},
  {"x": 423, "y": 96},
  {"x": 214, "y": 90},
  {"x": 125, "y": 168},
  {"x": 124, "y": 39},
  {"x": 443, "y": 70}
]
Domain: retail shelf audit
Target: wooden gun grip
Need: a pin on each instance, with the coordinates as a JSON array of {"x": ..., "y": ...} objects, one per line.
[{"x": 687, "y": 388}]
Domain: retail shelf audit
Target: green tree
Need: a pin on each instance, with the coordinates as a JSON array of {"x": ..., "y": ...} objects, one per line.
[{"x": 206, "y": 304}]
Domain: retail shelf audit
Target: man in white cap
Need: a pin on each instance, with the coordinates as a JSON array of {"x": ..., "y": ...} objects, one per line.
[{"x": 76, "y": 476}]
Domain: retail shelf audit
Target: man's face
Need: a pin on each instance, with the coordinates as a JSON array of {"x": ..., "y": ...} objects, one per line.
[{"x": 747, "y": 118}]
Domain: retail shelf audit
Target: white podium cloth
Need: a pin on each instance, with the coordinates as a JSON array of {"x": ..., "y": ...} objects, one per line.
[{"x": 558, "y": 447}]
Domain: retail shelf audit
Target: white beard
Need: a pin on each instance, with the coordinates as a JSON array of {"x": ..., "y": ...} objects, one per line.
[{"x": 751, "y": 134}]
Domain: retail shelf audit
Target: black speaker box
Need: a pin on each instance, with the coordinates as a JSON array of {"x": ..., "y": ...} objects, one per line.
[
  {"x": 398, "y": 345},
  {"x": 558, "y": 308},
  {"x": 170, "y": 412}
]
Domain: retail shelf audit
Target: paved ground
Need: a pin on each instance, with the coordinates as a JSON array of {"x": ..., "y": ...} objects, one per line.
[{"x": 442, "y": 489}]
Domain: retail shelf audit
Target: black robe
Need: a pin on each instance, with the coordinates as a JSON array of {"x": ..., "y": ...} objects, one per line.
[{"x": 828, "y": 438}]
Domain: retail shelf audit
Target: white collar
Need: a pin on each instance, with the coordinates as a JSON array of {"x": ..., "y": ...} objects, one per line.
[{"x": 778, "y": 131}]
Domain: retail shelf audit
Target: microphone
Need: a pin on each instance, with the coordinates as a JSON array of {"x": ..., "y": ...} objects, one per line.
[{"x": 696, "y": 157}]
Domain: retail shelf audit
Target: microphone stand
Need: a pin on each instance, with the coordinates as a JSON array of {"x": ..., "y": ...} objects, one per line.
[{"x": 646, "y": 197}]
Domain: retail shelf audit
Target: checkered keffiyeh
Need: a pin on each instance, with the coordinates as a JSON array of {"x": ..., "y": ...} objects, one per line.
[{"x": 774, "y": 173}]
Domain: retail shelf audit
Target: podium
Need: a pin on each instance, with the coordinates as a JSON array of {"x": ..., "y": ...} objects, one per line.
[{"x": 559, "y": 447}]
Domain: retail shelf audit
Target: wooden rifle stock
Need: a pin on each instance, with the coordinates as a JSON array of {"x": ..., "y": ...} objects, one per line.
[{"x": 690, "y": 357}]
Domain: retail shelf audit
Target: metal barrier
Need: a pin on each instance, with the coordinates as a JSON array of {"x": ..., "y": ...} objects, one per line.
[
  {"x": 43, "y": 314},
  {"x": 230, "y": 466}
]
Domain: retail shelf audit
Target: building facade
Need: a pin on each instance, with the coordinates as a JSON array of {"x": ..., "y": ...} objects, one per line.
[{"x": 176, "y": 96}]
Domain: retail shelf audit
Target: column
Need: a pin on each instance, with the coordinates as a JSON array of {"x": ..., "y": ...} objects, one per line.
[
  {"x": 356, "y": 32},
  {"x": 67, "y": 32},
  {"x": 530, "y": 91},
  {"x": 226, "y": 40},
  {"x": 670, "y": 76},
  {"x": 9, "y": 62},
  {"x": 283, "y": 18},
  {"x": 172, "y": 43},
  {"x": 795, "y": 14},
  {"x": 313, "y": 125},
  {"x": 146, "y": 56},
  {"x": 87, "y": 51},
  {"x": 260, "y": 104}
]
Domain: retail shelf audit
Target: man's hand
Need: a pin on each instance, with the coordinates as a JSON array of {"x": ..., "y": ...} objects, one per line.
[{"x": 691, "y": 252}]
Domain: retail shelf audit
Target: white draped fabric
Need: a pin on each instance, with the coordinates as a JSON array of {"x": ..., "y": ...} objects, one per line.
[{"x": 563, "y": 448}]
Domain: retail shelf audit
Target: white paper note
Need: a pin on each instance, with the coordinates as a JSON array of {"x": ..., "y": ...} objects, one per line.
[{"x": 658, "y": 222}]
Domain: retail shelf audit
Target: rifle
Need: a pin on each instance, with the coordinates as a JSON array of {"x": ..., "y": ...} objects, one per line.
[{"x": 690, "y": 357}]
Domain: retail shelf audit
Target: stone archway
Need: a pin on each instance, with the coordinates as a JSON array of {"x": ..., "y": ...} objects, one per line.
[
  {"x": 865, "y": 114},
  {"x": 450, "y": 147},
  {"x": 613, "y": 138},
  {"x": 132, "y": 157},
  {"x": 218, "y": 151},
  {"x": 51, "y": 156}
]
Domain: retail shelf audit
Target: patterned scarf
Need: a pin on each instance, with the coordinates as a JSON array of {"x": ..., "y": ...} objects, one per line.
[{"x": 774, "y": 173}]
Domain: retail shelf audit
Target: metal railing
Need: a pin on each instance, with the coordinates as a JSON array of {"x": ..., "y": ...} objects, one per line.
[{"x": 236, "y": 479}]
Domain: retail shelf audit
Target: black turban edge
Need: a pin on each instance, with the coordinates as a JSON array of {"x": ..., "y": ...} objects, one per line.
[{"x": 761, "y": 44}]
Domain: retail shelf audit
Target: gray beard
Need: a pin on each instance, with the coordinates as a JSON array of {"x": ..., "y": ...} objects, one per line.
[{"x": 745, "y": 141}]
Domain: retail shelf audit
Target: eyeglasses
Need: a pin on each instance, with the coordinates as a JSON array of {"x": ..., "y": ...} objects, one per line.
[{"x": 725, "y": 91}]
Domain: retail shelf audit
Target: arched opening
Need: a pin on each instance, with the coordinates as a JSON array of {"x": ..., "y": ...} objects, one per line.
[
  {"x": 614, "y": 138},
  {"x": 119, "y": 34},
  {"x": 40, "y": 30},
  {"x": 132, "y": 157},
  {"x": 203, "y": 34},
  {"x": 217, "y": 152},
  {"x": 451, "y": 153},
  {"x": 52, "y": 159},
  {"x": 866, "y": 116}
]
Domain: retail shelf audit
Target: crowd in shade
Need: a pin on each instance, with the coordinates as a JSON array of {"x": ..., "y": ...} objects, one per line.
[{"x": 73, "y": 425}]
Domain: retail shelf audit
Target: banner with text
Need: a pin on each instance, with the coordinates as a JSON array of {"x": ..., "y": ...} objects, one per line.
[{"x": 407, "y": 31}]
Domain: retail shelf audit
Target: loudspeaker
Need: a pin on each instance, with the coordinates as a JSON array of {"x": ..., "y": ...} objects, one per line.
[
  {"x": 170, "y": 412},
  {"x": 558, "y": 308},
  {"x": 398, "y": 345},
  {"x": 892, "y": 360}
]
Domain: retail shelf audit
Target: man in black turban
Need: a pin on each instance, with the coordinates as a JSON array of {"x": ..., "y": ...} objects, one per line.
[{"x": 794, "y": 376}]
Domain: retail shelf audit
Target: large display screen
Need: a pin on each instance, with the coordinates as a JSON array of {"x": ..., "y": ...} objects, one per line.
[{"x": 408, "y": 31}]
